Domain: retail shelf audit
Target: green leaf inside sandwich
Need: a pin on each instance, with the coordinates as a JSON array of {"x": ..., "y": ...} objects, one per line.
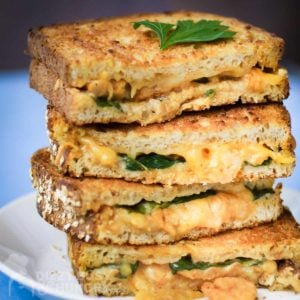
[
  {"x": 147, "y": 207},
  {"x": 125, "y": 269},
  {"x": 266, "y": 162},
  {"x": 150, "y": 161},
  {"x": 104, "y": 102},
  {"x": 210, "y": 93},
  {"x": 187, "y": 31},
  {"x": 186, "y": 263},
  {"x": 259, "y": 193}
]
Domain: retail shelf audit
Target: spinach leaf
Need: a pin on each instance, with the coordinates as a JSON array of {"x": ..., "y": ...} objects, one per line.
[
  {"x": 266, "y": 162},
  {"x": 149, "y": 162},
  {"x": 125, "y": 269},
  {"x": 259, "y": 193},
  {"x": 186, "y": 263},
  {"x": 132, "y": 164},
  {"x": 146, "y": 207},
  {"x": 104, "y": 102},
  {"x": 156, "y": 161}
]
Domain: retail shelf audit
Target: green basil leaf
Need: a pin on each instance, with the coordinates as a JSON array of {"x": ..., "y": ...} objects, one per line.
[{"x": 104, "y": 102}]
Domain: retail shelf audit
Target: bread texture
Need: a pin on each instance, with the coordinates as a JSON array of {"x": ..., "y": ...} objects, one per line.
[
  {"x": 111, "y": 49},
  {"x": 247, "y": 142},
  {"x": 93, "y": 209},
  {"x": 276, "y": 245},
  {"x": 80, "y": 106}
]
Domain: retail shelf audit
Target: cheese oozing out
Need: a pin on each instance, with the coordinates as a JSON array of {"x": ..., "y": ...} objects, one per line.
[
  {"x": 256, "y": 80},
  {"x": 212, "y": 162},
  {"x": 150, "y": 278},
  {"x": 232, "y": 204}
]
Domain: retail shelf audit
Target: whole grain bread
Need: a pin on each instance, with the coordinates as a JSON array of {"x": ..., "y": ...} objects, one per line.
[{"x": 93, "y": 209}]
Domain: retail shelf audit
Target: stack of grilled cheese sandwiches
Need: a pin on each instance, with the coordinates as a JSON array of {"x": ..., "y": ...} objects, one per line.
[{"x": 166, "y": 134}]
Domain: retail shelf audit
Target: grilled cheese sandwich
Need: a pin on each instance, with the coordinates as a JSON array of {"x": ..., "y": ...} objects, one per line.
[
  {"x": 267, "y": 255},
  {"x": 222, "y": 145},
  {"x": 115, "y": 211},
  {"x": 97, "y": 49},
  {"x": 94, "y": 105}
]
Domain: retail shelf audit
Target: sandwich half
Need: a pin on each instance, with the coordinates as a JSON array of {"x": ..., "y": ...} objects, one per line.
[
  {"x": 120, "y": 212},
  {"x": 107, "y": 71},
  {"x": 267, "y": 255},
  {"x": 222, "y": 145},
  {"x": 84, "y": 107}
]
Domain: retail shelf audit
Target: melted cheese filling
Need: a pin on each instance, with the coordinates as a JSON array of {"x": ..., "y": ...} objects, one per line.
[
  {"x": 214, "y": 162},
  {"x": 256, "y": 80},
  {"x": 149, "y": 278},
  {"x": 232, "y": 205},
  {"x": 224, "y": 160}
]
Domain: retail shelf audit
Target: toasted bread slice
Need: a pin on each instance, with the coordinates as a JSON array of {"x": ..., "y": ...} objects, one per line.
[
  {"x": 217, "y": 146},
  {"x": 116, "y": 211},
  {"x": 83, "y": 107},
  {"x": 267, "y": 255},
  {"x": 112, "y": 55}
]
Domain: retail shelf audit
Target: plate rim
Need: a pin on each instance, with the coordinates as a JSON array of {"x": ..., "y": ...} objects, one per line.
[
  {"x": 28, "y": 282},
  {"x": 40, "y": 287}
]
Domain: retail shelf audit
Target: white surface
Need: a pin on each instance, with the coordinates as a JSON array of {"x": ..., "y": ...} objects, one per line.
[{"x": 34, "y": 253}]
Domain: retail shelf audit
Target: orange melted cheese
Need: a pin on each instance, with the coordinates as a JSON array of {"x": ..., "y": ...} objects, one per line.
[
  {"x": 214, "y": 162},
  {"x": 226, "y": 207},
  {"x": 105, "y": 86},
  {"x": 101, "y": 155},
  {"x": 229, "y": 288},
  {"x": 258, "y": 80},
  {"x": 224, "y": 160},
  {"x": 150, "y": 277}
]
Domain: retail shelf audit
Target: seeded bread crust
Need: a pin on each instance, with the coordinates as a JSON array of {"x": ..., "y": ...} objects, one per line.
[
  {"x": 267, "y": 124},
  {"x": 81, "y": 206},
  {"x": 79, "y": 107},
  {"x": 81, "y": 52}
]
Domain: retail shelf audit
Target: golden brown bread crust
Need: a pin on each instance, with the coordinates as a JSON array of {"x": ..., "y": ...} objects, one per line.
[
  {"x": 93, "y": 193},
  {"x": 276, "y": 244},
  {"x": 85, "y": 207},
  {"x": 80, "y": 52},
  {"x": 79, "y": 107},
  {"x": 273, "y": 241},
  {"x": 104, "y": 281},
  {"x": 262, "y": 124}
]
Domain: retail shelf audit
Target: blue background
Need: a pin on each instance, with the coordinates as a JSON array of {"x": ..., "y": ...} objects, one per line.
[{"x": 23, "y": 131}]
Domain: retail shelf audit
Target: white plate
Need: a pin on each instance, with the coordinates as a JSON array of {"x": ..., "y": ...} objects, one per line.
[{"x": 34, "y": 253}]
